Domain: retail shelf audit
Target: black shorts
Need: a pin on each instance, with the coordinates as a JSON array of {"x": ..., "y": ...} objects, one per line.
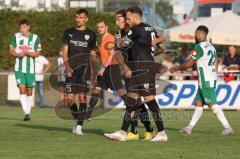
[
  {"x": 111, "y": 78},
  {"x": 142, "y": 83},
  {"x": 76, "y": 83}
]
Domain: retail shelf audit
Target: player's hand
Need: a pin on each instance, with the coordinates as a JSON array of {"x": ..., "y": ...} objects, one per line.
[
  {"x": 94, "y": 83},
  {"x": 164, "y": 69},
  {"x": 21, "y": 54},
  {"x": 101, "y": 72},
  {"x": 155, "y": 41},
  {"x": 174, "y": 69},
  {"x": 69, "y": 71},
  {"x": 128, "y": 73}
]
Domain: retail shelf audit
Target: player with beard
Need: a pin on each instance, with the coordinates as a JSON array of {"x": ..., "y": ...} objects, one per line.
[
  {"x": 109, "y": 76},
  {"x": 121, "y": 22},
  {"x": 79, "y": 45},
  {"x": 142, "y": 39},
  {"x": 204, "y": 55}
]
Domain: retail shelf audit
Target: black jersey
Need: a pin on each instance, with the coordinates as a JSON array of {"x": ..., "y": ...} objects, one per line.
[
  {"x": 79, "y": 41},
  {"x": 141, "y": 35},
  {"x": 126, "y": 52}
]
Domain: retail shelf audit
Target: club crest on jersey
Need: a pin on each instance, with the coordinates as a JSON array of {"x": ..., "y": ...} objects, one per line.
[
  {"x": 146, "y": 85},
  {"x": 87, "y": 37},
  {"x": 195, "y": 52},
  {"x": 130, "y": 32}
]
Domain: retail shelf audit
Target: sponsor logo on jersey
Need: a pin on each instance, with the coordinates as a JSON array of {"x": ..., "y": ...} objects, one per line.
[
  {"x": 79, "y": 43},
  {"x": 195, "y": 52},
  {"x": 87, "y": 37},
  {"x": 71, "y": 35}
]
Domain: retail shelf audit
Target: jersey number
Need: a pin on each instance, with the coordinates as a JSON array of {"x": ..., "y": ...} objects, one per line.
[{"x": 212, "y": 60}]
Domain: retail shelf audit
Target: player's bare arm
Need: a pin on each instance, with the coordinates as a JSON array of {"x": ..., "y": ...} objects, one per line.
[
  {"x": 32, "y": 53},
  {"x": 185, "y": 66},
  {"x": 94, "y": 64},
  {"x": 69, "y": 70}
]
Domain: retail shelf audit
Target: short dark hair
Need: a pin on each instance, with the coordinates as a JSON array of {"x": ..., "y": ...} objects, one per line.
[
  {"x": 135, "y": 9},
  {"x": 24, "y": 21},
  {"x": 203, "y": 28},
  {"x": 82, "y": 11},
  {"x": 102, "y": 21},
  {"x": 122, "y": 12}
]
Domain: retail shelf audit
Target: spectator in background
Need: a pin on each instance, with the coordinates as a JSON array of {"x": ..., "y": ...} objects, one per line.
[
  {"x": 179, "y": 60},
  {"x": 42, "y": 65},
  {"x": 61, "y": 76},
  {"x": 231, "y": 61},
  {"x": 167, "y": 61}
]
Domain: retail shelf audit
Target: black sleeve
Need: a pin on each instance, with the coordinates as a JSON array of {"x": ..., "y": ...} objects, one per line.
[
  {"x": 93, "y": 42},
  {"x": 65, "y": 39},
  {"x": 132, "y": 33}
]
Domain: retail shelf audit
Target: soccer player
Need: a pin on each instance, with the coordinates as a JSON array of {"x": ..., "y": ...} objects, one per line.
[
  {"x": 121, "y": 22},
  {"x": 25, "y": 46},
  {"x": 204, "y": 55},
  {"x": 79, "y": 45},
  {"x": 109, "y": 76},
  {"x": 141, "y": 36}
]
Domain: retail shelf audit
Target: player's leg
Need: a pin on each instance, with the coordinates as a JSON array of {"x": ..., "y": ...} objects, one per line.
[
  {"x": 70, "y": 98},
  {"x": 101, "y": 84},
  {"x": 21, "y": 83},
  {"x": 199, "y": 101},
  {"x": 30, "y": 83},
  {"x": 145, "y": 120},
  {"x": 81, "y": 112},
  {"x": 211, "y": 99},
  {"x": 131, "y": 108},
  {"x": 195, "y": 118},
  {"x": 156, "y": 114},
  {"x": 93, "y": 102}
]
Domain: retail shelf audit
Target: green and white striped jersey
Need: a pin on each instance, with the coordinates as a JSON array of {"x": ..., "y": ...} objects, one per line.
[
  {"x": 205, "y": 55},
  {"x": 32, "y": 43}
]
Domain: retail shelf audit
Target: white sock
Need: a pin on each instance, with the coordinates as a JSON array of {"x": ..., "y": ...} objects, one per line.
[
  {"x": 23, "y": 101},
  {"x": 196, "y": 116},
  {"x": 217, "y": 110},
  {"x": 29, "y": 103}
]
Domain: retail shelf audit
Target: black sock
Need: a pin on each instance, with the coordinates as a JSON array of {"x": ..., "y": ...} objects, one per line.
[
  {"x": 81, "y": 113},
  {"x": 126, "y": 121},
  {"x": 154, "y": 108},
  {"x": 134, "y": 123},
  {"x": 74, "y": 110},
  {"x": 144, "y": 117},
  {"x": 92, "y": 104},
  {"x": 130, "y": 107}
]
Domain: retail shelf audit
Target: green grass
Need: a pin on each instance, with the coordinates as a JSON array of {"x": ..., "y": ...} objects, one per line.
[{"x": 48, "y": 137}]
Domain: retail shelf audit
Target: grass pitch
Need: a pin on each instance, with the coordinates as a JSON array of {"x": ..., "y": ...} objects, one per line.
[{"x": 48, "y": 137}]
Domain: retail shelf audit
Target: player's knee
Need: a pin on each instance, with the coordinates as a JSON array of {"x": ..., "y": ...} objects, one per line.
[
  {"x": 121, "y": 92},
  {"x": 149, "y": 98},
  {"x": 153, "y": 106},
  {"x": 130, "y": 102},
  {"x": 97, "y": 90},
  {"x": 133, "y": 95},
  {"x": 82, "y": 97}
]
